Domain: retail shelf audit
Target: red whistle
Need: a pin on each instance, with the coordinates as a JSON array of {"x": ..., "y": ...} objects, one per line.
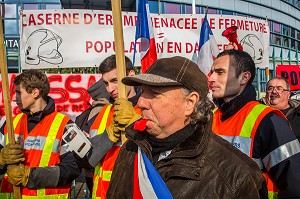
[{"x": 140, "y": 125}]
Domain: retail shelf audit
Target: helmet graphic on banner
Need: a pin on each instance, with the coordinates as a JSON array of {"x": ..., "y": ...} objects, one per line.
[
  {"x": 252, "y": 45},
  {"x": 42, "y": 45}
]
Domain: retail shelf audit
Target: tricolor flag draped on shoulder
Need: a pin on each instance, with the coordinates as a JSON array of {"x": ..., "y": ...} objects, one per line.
[
  {"x": 208, "y": 47},
  {"x": 144, "y": 30},
  {"x": 147, "y": 183}
]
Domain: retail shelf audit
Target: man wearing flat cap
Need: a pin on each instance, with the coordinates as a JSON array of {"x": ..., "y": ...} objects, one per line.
[{"x": 192, "y": 161}]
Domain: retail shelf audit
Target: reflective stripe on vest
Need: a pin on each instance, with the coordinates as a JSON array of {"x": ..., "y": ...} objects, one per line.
[
  {"x": 15, "y": 123},
  {"x": 50, "y": 142},
  {"x": 244, "y": 140},
  {"x": 6, "y": 195},
  {"x": 103, "y": 170},
  {"x": 101, "y": 128},
  {"x": 9, "y": 195},
  {"x": 98, "y": 169}
]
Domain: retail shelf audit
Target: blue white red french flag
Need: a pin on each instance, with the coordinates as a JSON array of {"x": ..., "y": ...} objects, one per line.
[
  {"x": 208, "y": 47},
  {"x": 144, "y": 30},
  {"x": 147, "y": 183}
]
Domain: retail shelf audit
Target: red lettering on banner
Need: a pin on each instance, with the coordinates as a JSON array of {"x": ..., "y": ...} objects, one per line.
[
  {"x": 129, "y": 20},
  {"x": 291, "y": 73},
  {"x": 191, "y": 48},
  {"x": 52, "y": 19},
  {"x": 12, "y": 88},
  {"x": 160, "y": 47},
  {"x": 64, "y": 96},
  {"x": 242, "y": 24},
  {"x": 109, "y": 20},
  {"x": 31, "y": 20},
  {"x": 40, "y": 19},
  {"x": 83, "y": 95},
  {"x": 87, "y": 18},
  {"x": 62, "y": 108},
  {"x": 78, "y": 108},
  {"x": 174, "y": 47},
  {"x": 180, "y": 23}
]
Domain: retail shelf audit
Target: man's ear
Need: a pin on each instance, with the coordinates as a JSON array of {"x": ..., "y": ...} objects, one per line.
[
  {"x": 245, "y": 77},
  {"x": 191, "y": 100},
  {"x": 131, "y": 73},
  {"x": 35, "y": 93}
]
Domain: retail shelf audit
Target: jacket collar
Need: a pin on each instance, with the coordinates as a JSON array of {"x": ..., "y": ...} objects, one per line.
[
  {"x": 228, "y": 109},
  {"x": 38, "y": 116},
  {"x": 194, "y": 145}
]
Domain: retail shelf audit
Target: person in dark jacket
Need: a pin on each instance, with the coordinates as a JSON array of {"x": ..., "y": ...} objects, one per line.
[
  {"x": 47, "y": 164},
  {"x": 177, "y": 138},
  {"x": 100, "y": 98},
  {"x": 260, "y": 131},
  {"x": 278, "y": 96}
]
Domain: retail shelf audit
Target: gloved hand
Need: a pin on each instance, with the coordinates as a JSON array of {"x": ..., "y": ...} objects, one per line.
[
  {"x": 11, "y": 154},
  {"x": 18, "y": 174},
  {"x": 113, "y": 132},
  {"x": 124, "y": 114}
]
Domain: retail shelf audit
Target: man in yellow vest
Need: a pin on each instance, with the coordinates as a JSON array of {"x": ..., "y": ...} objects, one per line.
[
  {"x": 261, "y": 132},
  {"x": 104, "y": 132},
  {"x": 48, "y": 168}
]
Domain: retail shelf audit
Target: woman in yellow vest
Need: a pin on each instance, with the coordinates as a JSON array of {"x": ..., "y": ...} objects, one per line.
[{"x": 48, "y": 168}]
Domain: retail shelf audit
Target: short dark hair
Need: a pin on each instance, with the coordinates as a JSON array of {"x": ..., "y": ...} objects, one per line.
[
  {"x": 281, "y": 78},
  {"x": 109, "y": 64},
  {"x": 242, "y": 62},
  {"x": 31, "y": 79}
]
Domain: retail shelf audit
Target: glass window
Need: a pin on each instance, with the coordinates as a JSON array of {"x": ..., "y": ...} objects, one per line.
[
  {"x": 31, "y": 1},
  {"x": 10, "y": 11},
  {"x": 172, "y": 8},
  {"x": 276, "y": 27},
  {"x": 55, "y": 1},
  {"x": 53, "y": 6},
  {"x": 11, "y": 26},
  {"x": 225, "y": 12},
  {"x": 293, "y": 43},
  {"x": 298, "y": 35},
  {"x": 285, "y": 30},
  {"x": 241, "y": 14},
  {"x": 276, "y": 39},
  {"x": 286, "y": 41},
  {"x": 293, "y": 32},
  {"x": 31, "y": 6},
  {"x": 153, "y": 6},
  {"x": 188, "y": 9},
  {"x": 212, "y": 11}
]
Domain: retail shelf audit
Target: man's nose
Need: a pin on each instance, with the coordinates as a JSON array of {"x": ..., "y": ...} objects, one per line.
[{"x": 142, "y": 102}]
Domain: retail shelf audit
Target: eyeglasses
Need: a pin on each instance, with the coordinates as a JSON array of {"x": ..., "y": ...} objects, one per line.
[{"x": 279, "y": 89}]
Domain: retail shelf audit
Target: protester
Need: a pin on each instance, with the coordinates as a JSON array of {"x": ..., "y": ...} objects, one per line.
[
  {"x": 47, "y": 169},
  {"x": 278, "y": 96},
  {"x": 105, "y": 136},
  {"x": 191, "y": 160},
  {"x": 100, "y": 98},
  {"x": 259, "y": 131}
]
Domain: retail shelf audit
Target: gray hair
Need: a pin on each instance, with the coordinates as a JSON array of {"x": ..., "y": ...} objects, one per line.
[{"x": 202, "y": 111}]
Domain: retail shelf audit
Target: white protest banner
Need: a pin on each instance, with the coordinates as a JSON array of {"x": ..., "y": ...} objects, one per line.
[
  {"x": 69, "y": 92},
  {"x": 84, "y": 38}
]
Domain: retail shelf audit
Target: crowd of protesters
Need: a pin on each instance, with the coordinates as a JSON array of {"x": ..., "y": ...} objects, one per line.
[{"x": 231, "y": 147}]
